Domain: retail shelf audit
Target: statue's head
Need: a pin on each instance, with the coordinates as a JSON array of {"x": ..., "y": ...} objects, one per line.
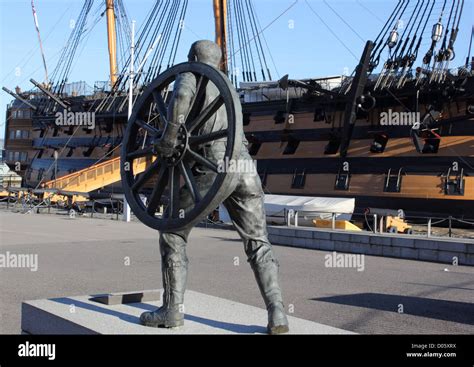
[{"x": 207, "y": 52}]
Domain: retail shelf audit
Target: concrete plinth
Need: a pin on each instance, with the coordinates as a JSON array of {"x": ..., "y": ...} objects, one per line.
[{"x": 204, "y": 315}]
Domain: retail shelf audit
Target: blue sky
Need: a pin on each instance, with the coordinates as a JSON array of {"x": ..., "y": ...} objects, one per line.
[{"x": 300, "y": 44}]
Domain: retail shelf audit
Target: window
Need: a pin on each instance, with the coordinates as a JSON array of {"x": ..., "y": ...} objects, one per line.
[
  {"x": 280, "y": 117},
  {"x": 333, "y": 145},
  {"x": 291, "y": 147},
  {"x": 299, "y": 179},
  {"x": 246, "y": 119},
  {"x": 19, "y": 134},
  {"x": 342, "y": 181},
  {"x": 254, "y": 148},
  {"x": 319, "y": 115},
  {"x": 21, "y": 114},
  {"x": 379, "y": 143},
  {"x": 88, "y": 152}
]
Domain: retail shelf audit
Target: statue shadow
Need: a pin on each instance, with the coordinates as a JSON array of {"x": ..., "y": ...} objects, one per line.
[
  {"x": 228, "y": 326},
  {"x": 96, "y": 308},
  {"x": 439, "y": 309}
]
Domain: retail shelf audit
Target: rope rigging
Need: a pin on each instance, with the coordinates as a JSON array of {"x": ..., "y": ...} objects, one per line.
[
  {"x": 403, "y": 50},
  {"x": 469, "y": 50},
  {"x": 245, "y": 31},
  {"x": 401, "y": 58},
  {"x": 374, "y": 60},
  {"x": 412, "y": 54},
  {"x": 393, "y": 43},
  {"x": 446, "y": 53}
]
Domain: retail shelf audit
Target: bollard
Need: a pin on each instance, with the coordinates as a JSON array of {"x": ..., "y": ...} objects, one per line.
[
  {"x": 429, "y": 227},
  {"x": 450, "y": 228},
  {"x": 333, "y": 221}
]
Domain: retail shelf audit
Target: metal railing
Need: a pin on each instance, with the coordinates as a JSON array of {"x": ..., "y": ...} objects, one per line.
[{"x": 374, "y": 222}]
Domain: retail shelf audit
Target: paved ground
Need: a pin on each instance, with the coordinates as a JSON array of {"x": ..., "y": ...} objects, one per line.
[{"x": 86, "y": 256}]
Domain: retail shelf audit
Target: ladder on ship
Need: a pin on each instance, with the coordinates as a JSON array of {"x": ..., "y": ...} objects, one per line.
[{"x": 95, "y": 177}]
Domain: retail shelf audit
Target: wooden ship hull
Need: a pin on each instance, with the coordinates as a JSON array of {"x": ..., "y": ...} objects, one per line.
[{"x": 295, "y": 134}]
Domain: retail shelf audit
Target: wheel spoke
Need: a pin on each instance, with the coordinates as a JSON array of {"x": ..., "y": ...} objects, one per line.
[
  {"x": 157, "y": 193},
  {"x": 203, "y": 139},
  {"x": 145, "y": 176},
  {"x": 160, "y": 105},
  {"x": 197, "y": 99},
  {"x": 140, "y": 153},
  {"x": 173, "y": 207},
  {"x": 190, "y": 182},
  {"x": 202, "y": 160},
  {"x": 151, "y": 130},
  {"x": 205, "y": 115}
]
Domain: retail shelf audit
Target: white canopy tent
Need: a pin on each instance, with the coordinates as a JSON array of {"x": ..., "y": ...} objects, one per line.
[{"x": 277, "y": 208}]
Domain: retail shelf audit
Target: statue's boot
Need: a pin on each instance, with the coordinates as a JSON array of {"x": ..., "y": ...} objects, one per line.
[
  {"x": 267, "y": 279},
  {"x": 171, "y": 314}
]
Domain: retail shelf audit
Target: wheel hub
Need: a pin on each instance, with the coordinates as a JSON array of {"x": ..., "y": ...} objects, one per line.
[{"x": 179, "y": 150}]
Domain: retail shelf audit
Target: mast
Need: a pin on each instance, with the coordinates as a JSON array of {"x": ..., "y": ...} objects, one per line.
[
  {"x": 220, "y": 15},
  {"x": 112, "y": 40},
  {"x": 35, "y": 17}
]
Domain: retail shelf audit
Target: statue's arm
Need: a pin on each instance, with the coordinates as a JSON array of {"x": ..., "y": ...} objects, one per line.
[
  {"x": 180, "y": 104},
  {"x": 178, "y": 109}
]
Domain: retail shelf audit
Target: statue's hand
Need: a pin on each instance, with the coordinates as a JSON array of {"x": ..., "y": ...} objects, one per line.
[{"x": 164, "y": 148}]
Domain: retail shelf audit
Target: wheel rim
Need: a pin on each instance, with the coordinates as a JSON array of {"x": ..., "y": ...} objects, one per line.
[{"x": 163, "y": 178}]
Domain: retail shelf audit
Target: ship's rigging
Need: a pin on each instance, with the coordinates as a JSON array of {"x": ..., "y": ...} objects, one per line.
[
  {"x": 403, "y": 49},
  {"x": 247, "y": 58}
]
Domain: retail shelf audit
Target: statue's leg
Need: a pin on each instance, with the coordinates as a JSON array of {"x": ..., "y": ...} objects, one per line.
[
  {"x": 246, "y": 209},
  {"x": 174, "y": 270},
  {"x": 174, "y": 267}
]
